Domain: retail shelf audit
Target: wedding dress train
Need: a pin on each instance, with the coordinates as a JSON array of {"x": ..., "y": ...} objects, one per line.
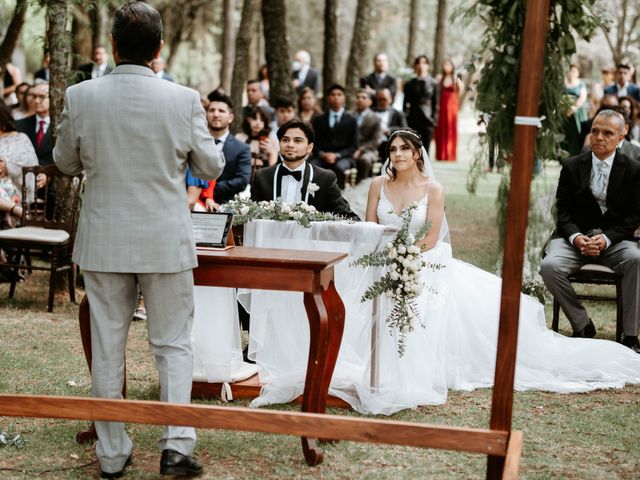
[{"x": 453, "y": 346}]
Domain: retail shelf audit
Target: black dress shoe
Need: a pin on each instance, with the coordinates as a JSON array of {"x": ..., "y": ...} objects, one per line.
[
  {"x": 587, "y": 332},
  {"x": 245, "y": 355},
  {"x": 117, "y": 474},
  {"x": 632, "y": 343},
  {"x": 175, "y": 463}
]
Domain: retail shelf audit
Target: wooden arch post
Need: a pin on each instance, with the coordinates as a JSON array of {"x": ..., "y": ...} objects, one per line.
[{"x": 522, "y": 160}]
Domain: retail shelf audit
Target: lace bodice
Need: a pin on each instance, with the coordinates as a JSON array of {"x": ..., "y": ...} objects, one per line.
[{"x": 386, "y": 215}]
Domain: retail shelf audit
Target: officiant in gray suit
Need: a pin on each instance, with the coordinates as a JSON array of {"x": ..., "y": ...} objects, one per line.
[{"x": 134, "y": 135}]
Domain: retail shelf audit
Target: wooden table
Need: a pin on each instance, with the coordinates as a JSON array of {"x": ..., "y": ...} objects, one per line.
[{"x": 284, "y": 270}]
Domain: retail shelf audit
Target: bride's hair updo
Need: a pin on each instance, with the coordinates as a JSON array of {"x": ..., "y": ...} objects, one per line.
[{"x": 412, "y": 138}]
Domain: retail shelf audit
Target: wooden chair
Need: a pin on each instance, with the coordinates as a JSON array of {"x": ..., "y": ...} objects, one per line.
[
  {"x": 594, "y": 274},
  {"x": 48, "y": 227}
]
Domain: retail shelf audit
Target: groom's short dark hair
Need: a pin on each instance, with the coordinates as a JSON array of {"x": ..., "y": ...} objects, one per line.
[
  {"x": 297, "y": 123},
  {"x": 137, "y": 32}
]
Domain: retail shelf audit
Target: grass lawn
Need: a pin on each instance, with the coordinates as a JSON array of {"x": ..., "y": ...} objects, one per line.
[{"x": 577, "y": 436}]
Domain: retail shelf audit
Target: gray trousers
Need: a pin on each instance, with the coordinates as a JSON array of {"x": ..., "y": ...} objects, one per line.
[
  {"x": 563, "y": 259},
  {"x": 168, "y": 299}
]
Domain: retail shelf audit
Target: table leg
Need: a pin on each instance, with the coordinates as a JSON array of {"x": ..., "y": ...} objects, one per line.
[
  {"x": 336, "y": 314},
  {"x": 316, "y": 365}
]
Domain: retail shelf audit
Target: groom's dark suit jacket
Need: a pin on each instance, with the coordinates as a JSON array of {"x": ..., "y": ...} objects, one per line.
[
  {"x": 578, "y": 210},
  {"x": 327, "y": 199}
]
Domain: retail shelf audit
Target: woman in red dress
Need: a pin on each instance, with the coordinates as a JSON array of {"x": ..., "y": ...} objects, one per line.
[{"x": 446, "y": 134}]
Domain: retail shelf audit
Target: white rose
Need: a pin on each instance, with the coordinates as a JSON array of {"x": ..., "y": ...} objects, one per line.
[
  {"x": 394, "y": 275},
  {"x": 406, "y": 263},
  {"x": 244, "y": 210},
  {"x": 286, "y": 208},
  {"x": 389, "y": 246},
  {"x": 399, "y": 290},
  {"x": 402, "y": 249},
  {"x": 414, "y": 250},
  {"x": 394, "y": 266},
  {"x": 393, "y": 254}
]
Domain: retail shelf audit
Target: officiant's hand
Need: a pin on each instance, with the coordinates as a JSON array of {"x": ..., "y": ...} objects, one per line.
[{"x": 211, "y": 205}]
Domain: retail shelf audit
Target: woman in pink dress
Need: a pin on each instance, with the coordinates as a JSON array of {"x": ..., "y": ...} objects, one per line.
[{"x": 446, "y": 134}]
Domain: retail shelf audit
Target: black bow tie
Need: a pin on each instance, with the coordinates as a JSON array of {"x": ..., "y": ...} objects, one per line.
[{"x": 297, "y": 175}]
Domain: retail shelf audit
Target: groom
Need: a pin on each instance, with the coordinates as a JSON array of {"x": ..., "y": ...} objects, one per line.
[{"x": 295, "y": 179}]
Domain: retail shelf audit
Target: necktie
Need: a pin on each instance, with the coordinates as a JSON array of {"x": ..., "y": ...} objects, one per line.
[
  {"x": 297, "y": 174},
  {"x": 335, "y": 117},
  {"x": 40, "y": 134},
  {"x": 600, "y": 183}
]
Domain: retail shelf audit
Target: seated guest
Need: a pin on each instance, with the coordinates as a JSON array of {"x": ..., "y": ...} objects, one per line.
[
  {"x": 256, "y": 133},
  {"x": 626, "y": 146},
  {"x": 24, "y": 107},
  {"x": 158, "y": 65},
  {"x": 390, "y": 118},
  {"x": 308, "y": 107},
  {"x": 585, "y": 127},
  {"x": 293, "y": 177},
  {"x": 237, "y": 169},
  {"x": 623, "y": 87},
  {"x": 36, "y": 126},
  {"x": 98, "y": 67},
  {"x": 336, "y": 135},
  {"x": 379, "y": 78},
  {"x": 629, "y": 105},
  {"x": 304, "y": 75},
  {"x": 256, "y": 98},
  {"x": 598, "y": 209},
  {"x": 195, "y": 186},
  {"x": 284, "y": 111},
  {"x": 369, "y": 134}
]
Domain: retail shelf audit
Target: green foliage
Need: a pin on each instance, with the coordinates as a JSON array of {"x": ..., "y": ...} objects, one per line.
[{"x": 497, "y": 89}]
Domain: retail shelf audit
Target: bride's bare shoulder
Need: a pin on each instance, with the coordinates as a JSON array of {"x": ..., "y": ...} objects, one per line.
[
  {"x": 436, "y": 190},
  {"x": 376, "y": 185}
]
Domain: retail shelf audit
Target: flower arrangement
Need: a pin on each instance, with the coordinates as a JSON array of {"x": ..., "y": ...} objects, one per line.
[
  {"x": 245, "y": 210},
  {"x": 401, "y": 281}
]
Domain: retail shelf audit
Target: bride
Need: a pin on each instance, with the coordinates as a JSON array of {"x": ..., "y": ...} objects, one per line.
[
  {"x": 453, "y": 345},
  {"x": 454, "y": 340}
]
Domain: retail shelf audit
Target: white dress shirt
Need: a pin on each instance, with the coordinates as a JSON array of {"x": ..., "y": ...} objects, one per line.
[
  {"x": 595, "y": 162},
  {"x": 291, "y": 189},
  {"x": 47, "y": 122}
]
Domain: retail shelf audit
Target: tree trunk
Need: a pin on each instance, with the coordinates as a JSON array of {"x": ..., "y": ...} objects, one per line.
[
  {"x": 439, "y": 48},
  {"x": 58, "y": 41},
  {"x": 13, "y": 32},
  {"x": 359, "y": 48},
  {"x": 81, "y": 33},
  {"x": 240, "y": 65},
  {"x": 330, "y": 56},
  {"x": 226, "y": 67},
  {"x": 99, "y": 25},
  {"x": 277, "y": 49},
  {"x": 414, "y": 22}
]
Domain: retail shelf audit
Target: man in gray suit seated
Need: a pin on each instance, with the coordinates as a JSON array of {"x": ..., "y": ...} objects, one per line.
[{"x": 134, "y": 135}]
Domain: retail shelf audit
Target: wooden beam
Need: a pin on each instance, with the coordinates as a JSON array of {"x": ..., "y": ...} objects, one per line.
[
  {"x": 512, "y": 459},
  {"x": 470, "y": 440},
  {"x": 529, "y": 87}
]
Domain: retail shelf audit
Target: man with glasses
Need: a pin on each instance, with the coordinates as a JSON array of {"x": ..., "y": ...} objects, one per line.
[{"x": 36, "y": 126}]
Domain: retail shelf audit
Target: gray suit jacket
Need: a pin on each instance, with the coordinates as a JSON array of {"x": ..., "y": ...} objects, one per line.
[
  {"x": 134, "y": 134},
  {"x": 630, "y": 150}
]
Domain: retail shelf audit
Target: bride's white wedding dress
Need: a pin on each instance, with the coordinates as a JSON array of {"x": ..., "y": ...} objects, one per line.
[{"x": 455, "y": 347}]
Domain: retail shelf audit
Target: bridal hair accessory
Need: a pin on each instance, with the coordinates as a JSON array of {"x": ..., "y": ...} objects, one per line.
[
  {"x": 413, "y": 134},
  {"x": 245, "y": 210},
  {"x": 401, "y": 281}
]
